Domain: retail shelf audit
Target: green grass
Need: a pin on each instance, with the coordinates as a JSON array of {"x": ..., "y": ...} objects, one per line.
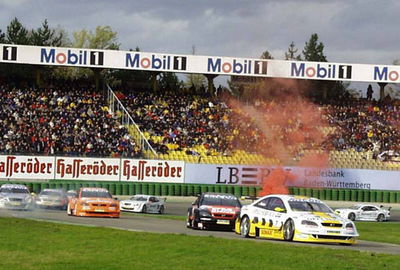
[
  {"x": 28, "y": 244},
  {"x": 385, "y": 232}
]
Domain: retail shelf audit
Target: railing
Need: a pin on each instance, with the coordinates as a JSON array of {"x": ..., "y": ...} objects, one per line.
[{"x": 119, "y": 111}]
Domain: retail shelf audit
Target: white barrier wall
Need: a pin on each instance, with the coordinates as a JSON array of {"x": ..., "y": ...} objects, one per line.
[
  {"x": 167, "y": 171},
  {"x": 77, "y": 57},
  {"x": 91, "y": 169},
  {"x": 306, "y": 177}
]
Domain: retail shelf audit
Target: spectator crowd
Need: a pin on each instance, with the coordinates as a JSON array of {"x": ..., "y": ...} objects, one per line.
[
  {"x": 60, "y": 121},
  {"x": 75, "y": 121}
]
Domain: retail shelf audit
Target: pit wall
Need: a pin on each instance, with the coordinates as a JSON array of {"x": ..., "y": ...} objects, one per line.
[{"x": 173, "y": 189}]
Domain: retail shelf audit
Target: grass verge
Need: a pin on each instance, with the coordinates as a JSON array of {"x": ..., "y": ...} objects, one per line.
[
  {"x": 28, "y": 244},
  {"x": 385, "y": 232}
]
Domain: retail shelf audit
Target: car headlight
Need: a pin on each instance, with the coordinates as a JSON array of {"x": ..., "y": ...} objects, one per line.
[
  {"x": 84, "y": 204},
  {"x": 113, "y": 205},
  {"x": 205, "y": 214},
  {"x": 309, "y": 223}
]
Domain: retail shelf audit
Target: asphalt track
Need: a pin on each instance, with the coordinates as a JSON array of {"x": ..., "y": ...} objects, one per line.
[{"x": 154, "y": 224}]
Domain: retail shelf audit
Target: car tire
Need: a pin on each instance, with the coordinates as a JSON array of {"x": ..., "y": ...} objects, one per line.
[
  {"x": 69, "y": 212},
  {"x": 144, "y": 209},
  {"x": 245, "y": 227},
  {"x": 380, "y": 218},
  {"x": 189, "y": 222},
  {"x": 288, "y": 230},
  {"x": 352, "y": 216},
  {"x": 195, "y": 222},
  {"x": 161, "y": 211}
]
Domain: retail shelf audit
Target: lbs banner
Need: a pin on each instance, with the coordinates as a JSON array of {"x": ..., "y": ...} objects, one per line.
[
  {"x": 94, "y": 58},
  {"x": 305, "y": 177},
  {"x": 94, "y": 169}
]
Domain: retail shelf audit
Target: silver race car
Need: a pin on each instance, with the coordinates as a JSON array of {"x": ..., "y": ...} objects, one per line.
[
  {"x": 13, "y": 196},
  {"x": 52, "y": 198},
  {"x": 143, "y": 204},
  {"x": 365, "y": 212}
]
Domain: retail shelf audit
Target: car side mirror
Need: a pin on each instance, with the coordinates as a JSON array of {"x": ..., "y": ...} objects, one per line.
[
  {"x": 280, "y": 210},
  {"x": 116, "y": 198}
]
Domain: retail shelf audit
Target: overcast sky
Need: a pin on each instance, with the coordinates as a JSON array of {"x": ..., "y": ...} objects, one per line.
[{"x": 356, "y": 31}]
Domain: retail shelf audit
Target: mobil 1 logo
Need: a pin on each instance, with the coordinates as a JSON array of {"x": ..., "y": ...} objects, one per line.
[
  {"x": 10, "y": 53},
  {"x": 260, "y": 67},
  {"x": 96, "y": 58},
  {"x": 179, "y": 63},
  {"x": 344, "y": 72}
]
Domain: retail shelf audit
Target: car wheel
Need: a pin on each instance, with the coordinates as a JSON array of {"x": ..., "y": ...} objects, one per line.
[
  {"x": 380, "y": 218},
  {"x": 144, "y": 209},
  {"x": 69, "y": 212},
  {"x": 352, "y": 216},
  {"x": 161, "y": 211},
  {"x": 195, "y": 222},
  {"x": 245, "y": 227},
  {"x": 288, "y": 230},
  {"x": 188, "y": 221}
]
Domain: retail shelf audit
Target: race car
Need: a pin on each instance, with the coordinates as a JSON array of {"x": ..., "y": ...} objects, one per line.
[
  {"x": 143, "y": 204},
  {"x": 365, "y": 212},
  {"x": 72, "y": 194},
  {"x": 93, "y": 202},
  {"x": 13, "y": 196},
  {"x": 213, "y": 209},
  {"x": 294, "y": 218},
  {"x": 52, "y": 198}
]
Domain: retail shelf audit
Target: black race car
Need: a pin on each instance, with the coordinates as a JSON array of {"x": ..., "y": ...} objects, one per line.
[{"x": 213, "y": 209}]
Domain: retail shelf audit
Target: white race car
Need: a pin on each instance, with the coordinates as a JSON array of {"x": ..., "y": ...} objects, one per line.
[
  {"x": 365, "y": 212},
  {"x": 15, "y": 196},
  {"x": 143, "y": 204},
  {"x": 294, "y": 218}
]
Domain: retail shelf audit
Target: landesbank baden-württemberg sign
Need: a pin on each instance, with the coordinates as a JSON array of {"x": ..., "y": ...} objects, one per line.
[{"x": 215, "y": 65}]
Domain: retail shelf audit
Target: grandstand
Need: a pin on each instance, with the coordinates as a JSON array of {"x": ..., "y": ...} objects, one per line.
[
  {"x": 75, "y": 120},
  {"x": 172, "y": 126}
]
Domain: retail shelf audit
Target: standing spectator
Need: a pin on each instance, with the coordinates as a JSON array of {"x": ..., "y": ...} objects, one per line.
[{"x": 369, "y": 92}]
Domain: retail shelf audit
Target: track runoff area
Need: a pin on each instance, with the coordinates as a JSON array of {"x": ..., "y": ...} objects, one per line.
[
  {"x": 174, "y": 222},
  {"x": 207, "y": 65}
]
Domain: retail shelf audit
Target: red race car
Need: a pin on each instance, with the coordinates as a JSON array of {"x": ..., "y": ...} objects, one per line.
[{"x": 211, "y": 209}]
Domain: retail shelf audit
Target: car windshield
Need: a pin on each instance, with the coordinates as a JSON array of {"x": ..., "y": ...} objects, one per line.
[
  {"x": 226, "y": 200},
  {"x": 355, "y": 207},
  {"x": 95, "y": 194},
  {"x": 14, "y": 190},
  {"x": 50, "y": 193},
  {"x": 139, "y": 198},
  {"x": 306, "y": 206}
]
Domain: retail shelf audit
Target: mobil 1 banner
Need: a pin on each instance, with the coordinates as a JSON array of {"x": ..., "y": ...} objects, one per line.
[{"x": 305, "y": 177}]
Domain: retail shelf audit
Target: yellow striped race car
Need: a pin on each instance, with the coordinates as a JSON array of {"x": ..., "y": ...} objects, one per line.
[{"x": 294, "y": 218}]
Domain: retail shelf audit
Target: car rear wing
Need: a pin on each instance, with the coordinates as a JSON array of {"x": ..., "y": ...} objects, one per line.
[
  {"x": 389, "y": 208},
  {"x": 253, "y": 198}
]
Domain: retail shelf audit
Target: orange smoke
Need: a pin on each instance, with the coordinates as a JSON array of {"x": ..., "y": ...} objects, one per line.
[
  {"x": 276, "y": 182},
  {"x": 291, "y": 129}
]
